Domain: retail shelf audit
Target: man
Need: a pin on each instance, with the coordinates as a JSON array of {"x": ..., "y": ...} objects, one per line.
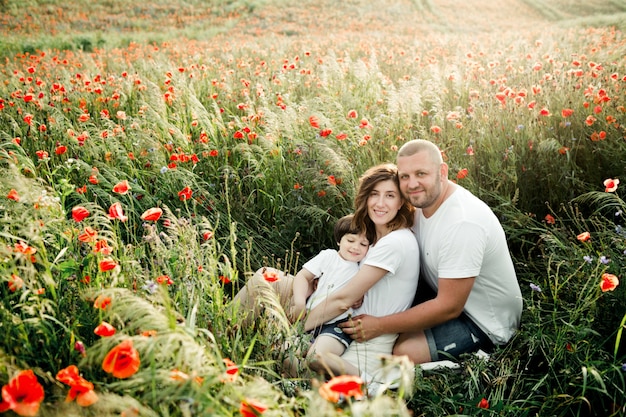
[{"x": 465, "y": 260}]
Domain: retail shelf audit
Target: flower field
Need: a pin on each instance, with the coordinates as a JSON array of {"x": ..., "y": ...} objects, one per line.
[{"x": 154, "y": 154}]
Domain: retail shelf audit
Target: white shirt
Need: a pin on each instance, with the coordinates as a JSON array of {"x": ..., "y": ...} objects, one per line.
[
  {"x": 462, "y": 239},
  {"x": 397, "y": 253},
  {"x": 333, "y": 272}
]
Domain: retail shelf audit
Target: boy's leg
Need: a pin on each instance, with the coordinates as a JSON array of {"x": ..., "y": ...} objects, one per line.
[
  {"x": 325, "y": 357},
  {"x": 292, "y": 357}
]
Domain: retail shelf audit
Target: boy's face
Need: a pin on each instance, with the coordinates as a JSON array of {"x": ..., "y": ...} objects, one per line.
[{"x": 353, "y": 247}]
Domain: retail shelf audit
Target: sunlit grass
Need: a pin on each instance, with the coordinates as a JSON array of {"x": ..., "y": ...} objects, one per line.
[{"x": 248, "y": 125}]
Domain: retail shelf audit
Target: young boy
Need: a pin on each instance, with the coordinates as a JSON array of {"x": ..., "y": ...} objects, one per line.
[{"x": 333, "y": 269}]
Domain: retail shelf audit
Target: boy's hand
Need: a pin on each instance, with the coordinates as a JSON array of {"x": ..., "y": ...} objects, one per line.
[{"x": 358, "y": 303}]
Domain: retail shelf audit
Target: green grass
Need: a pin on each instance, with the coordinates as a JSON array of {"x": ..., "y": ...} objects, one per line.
[{"x": 217, "y": 96}]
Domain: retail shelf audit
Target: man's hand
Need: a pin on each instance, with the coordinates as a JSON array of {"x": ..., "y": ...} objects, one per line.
[{"x": 362, "y": 328}]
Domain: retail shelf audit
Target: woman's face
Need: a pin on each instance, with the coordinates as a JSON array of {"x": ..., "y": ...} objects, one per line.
[{"x": 383, "y": 203}]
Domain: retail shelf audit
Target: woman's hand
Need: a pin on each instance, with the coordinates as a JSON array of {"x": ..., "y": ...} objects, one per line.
[{"x": 362, "y": 328}]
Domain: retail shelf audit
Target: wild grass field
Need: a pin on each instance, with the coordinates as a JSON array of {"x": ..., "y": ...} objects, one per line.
[{"x": 153, "y": 154}]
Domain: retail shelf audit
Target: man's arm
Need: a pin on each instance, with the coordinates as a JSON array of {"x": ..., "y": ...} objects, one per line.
[{"x": 447, "y": 305}]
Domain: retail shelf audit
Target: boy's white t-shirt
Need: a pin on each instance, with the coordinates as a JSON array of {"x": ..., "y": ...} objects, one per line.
[
  {"x": 462, "y": 239},
  {"x": 333, "y": 272}
]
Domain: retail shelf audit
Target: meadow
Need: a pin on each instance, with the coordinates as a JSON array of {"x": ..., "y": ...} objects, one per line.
[{"x": 153, "y": 154}]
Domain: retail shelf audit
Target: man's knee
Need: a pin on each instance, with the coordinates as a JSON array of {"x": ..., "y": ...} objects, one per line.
[{"x": 414, "y": 345}]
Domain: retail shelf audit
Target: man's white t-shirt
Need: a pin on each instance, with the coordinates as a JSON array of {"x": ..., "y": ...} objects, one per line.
[
  {"x": 333, "y": 272},
  {"x": 462, "y": 239}
]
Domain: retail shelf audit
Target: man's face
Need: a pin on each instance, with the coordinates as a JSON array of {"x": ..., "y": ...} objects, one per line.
[{"x": 420, "y": 179}]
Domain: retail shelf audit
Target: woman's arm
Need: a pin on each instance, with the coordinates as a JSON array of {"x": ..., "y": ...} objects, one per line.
[{"x": 342, "y": 299}]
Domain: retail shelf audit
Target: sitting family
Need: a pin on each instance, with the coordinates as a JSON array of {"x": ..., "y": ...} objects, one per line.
[{"x": 410, "y": 223}]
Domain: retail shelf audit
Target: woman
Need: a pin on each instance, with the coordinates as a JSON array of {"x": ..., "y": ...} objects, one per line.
[
  {"x": 386, "y": 281},
  {"x": 388, "y": 276}
]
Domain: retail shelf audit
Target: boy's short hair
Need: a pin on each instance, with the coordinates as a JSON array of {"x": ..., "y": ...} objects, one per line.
[{"x": 344, "y": 226}]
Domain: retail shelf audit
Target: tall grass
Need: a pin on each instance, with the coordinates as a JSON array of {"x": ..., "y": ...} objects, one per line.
[{"x": 252, "y": 151}]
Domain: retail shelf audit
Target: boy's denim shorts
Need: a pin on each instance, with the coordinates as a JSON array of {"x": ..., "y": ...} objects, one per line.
[
  {"x": 334, "y": 331},
  {"x": 455, "y": 337}
]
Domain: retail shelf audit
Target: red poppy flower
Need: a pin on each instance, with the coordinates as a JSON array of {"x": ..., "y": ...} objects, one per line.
[
  {"x": 121, "y": 187},
  {"x": 102, "y": 302},
  {"x": 107, "y": 264},
  {"x": 271, "y": 276},
  {"x": 325, "y": 132},
  {"x": 42, "y": 154},
  {"x": 231, "y": 371},
  {"x": 567, "y": 112},
  {"x": 13, "y": 195},
  {"x": 15, "y": 283},
  {"x": 81, "y": 190},
  {"x": 102, "y": 247},
  {"x": 462, "y": 173},
  {"x": 164, "y": 279},
  {"x": 238, "y": 135},
  {"x": 23, "y": 247},
  {"x": 331, "y": 180},
  {"x": 104, "y": 329},
  {"x": 80, "y": 388},
  {"x": 23, "y": 394},
  {"x": 549, "y": 219},
  {"x": 584, "y": 236},
  {"x": 152, "y": 214},
  {"x": 213, "y": 153},
  {"x": 341, "y": 136},
  {"x": 352, "y": 114},
  {"x": 314, "y": 122},
  {"x": 611, "y": 185},
  {"x": 252, "y": 408},
  {"x": 122, "y": 361},
  {"x": 609, "y": 282},
  {"x": 544, "y": 112},
  {"x": 79, "y": 213},
  {"x": 116, "y": 212},
  {"x": 342, "y": 386},
  {"x": 207, "y": 235},
  {"x": 483, "y": 403},
  {"x": 88, "y": 235},
  {"x": 93, "y": 179},
  {"x": 224, "y": 279},
  {"x": 185, "y": 194},
  {"x": 60, "y": 150}
]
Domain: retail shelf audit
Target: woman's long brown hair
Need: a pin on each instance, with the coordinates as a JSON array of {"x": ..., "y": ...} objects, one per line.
[{"x": 367, "y": 182}]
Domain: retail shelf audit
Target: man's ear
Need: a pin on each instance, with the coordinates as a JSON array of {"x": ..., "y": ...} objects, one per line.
[{"x": 444, "y": 170}]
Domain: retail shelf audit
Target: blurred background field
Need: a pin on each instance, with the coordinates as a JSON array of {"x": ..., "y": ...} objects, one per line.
[{"x": 248, "y": 124}]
